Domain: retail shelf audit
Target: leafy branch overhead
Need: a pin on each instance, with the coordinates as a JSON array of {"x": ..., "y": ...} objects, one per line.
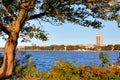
[
  {"x": 28, "y": 32},
  {"x": 16, "y": 14},
  {"x": 83, "y": 12}
]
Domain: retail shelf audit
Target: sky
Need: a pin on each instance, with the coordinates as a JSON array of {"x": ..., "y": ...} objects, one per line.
[{"x": 75, "y": 34}]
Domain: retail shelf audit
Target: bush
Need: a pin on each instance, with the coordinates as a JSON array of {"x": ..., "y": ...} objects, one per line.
[
  {"x": 104, "y": 59},
  {"x": 64, "y": 70}
]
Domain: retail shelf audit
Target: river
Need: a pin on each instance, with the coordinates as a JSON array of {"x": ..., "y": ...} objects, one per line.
[{"x": 45, "y": 59}]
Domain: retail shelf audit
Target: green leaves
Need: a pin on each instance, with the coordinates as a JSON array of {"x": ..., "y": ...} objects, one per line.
[
  {"x": 9, "y": 11},
  {"x": 73, "y": 11},
  {"x": 58, "y": 12},
  {"x": 28, "y": 32},
  {"x": 104, "y": 60}
]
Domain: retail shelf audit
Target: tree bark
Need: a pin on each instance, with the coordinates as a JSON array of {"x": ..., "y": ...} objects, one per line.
[{"x": 8, "y": 65}]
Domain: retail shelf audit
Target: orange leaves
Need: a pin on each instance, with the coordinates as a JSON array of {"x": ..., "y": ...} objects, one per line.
[
  {"x": 64, "y": 70},
  {"x": 99, "y": 0},
  {"x": 92, "y": 0},
  {"x": 56, "y": 11},
  {"x": 97, "y": 72}
]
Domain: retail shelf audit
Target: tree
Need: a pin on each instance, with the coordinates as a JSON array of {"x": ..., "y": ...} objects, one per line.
[
  {"x": 104, "y": 60},
  {"x": 16, "y": 14},
  {"x": 117, "y": 47}
]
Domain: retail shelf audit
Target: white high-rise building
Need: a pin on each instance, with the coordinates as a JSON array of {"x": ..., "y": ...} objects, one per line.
[{"x": 99, "y": 41}]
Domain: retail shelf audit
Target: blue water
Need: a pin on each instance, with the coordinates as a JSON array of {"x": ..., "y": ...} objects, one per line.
[{"x": 45, "y": 59}]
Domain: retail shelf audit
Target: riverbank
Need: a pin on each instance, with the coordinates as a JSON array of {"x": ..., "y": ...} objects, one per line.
[{"x": 64, "y": 70}]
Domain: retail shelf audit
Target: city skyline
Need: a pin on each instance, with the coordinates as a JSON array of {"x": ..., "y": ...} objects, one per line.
[{"x": 75, "y": 34}]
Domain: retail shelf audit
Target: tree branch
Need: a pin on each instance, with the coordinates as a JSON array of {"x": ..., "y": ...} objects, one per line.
[
  {"x": 36, "y": 16},
  {"x": 5, "y": 29},
  {"x": 4, "y": 7},
  {"x": 26, "y": 5}
]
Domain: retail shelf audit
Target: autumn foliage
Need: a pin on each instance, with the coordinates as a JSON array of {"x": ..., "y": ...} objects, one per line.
[
  {"x": 64, "y": 70},
  {"x": 98, "y": 0}
]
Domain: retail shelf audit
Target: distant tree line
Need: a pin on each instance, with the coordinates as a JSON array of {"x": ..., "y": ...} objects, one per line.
[
  {"x": 111, "y": 47},
  {"x": 73, "y": 47}
]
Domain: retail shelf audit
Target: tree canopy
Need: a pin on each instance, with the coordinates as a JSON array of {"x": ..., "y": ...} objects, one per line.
[
  {"x": 83, "y": 12},
  {"x": 16, "y": 20}
]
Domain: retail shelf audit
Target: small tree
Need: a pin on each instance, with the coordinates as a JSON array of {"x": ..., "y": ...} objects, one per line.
[
  {"x": 104, "y": 60},
  {"x": 16, "y": 14}
]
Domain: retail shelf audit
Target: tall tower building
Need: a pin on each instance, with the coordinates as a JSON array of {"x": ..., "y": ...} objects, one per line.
[{"x": 99, "y": 41}]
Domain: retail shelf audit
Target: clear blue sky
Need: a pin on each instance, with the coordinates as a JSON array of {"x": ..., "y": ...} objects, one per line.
[{"x": 76, "y": 34}]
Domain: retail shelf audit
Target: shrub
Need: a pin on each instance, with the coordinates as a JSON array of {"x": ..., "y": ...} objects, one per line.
[
  {"x": 64, "y": 70},
  {"x": 104, "y": 59}
]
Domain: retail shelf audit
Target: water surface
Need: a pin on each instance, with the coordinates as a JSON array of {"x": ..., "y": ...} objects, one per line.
[{"x": 45, "y": 59}]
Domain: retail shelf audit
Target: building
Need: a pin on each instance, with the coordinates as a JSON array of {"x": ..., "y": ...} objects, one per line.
[
  {"x": 20, "y": 47},
  {"x": 99, "y": 41}
]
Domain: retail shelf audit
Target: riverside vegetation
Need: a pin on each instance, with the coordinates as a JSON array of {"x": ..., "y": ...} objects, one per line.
[
  {"x": 25, "y": 19},
  {"x": 64, "y": 70}
]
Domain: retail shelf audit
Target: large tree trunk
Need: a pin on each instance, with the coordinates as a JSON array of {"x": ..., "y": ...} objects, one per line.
[
  {"x": 9, "y": 55},
  {"x": 9, "y": 51}
]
